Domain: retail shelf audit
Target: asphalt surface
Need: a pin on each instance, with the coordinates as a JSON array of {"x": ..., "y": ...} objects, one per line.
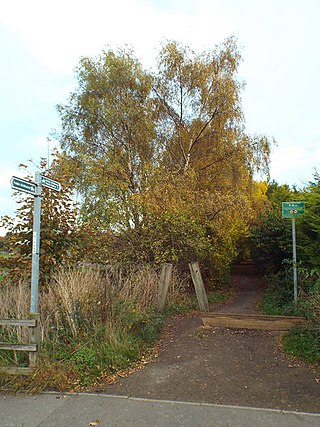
[
  {"x": 221, "y": 366},
  {"x": 67, "y": 410}
]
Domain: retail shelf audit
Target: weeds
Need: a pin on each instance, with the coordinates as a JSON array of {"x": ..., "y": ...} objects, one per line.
[
  {"x": 278, "y": 300},
  {"x": 94, "y": 322},
  {"x": 304, "y": 343}
]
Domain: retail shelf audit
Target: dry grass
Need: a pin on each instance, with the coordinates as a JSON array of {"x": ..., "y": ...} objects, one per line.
[
  {"x": 78, "y": 298},
  {"x": 93, "y": 322},
  {"x": 71, "y": 292},
  {"x": 14, "y": 299},
  {"x": 15, "y": 304},
  {"x": 137, "y": 286}
]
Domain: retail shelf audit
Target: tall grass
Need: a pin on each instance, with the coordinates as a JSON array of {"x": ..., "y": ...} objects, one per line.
[
  {"x": 94, "y": 321},
  {"x": 14, "y": 304}
]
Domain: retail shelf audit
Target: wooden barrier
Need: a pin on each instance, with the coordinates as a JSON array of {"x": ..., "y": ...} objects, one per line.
[
  {"x": 165, "y": 278},
  {"x": 199, "y": 286},
  {"x": 32, "y": 347},
  {"x": 251, "y": 321}
]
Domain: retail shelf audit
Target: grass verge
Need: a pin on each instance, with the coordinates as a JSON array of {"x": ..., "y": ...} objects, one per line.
[
  {"x": 304, "y": 342},
  {"x": 94, "y": 325}
]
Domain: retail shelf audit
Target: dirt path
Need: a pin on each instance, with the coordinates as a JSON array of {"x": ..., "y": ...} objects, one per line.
[
  {"x": 248, "y": 291},
  {"x": 226, "y": 366}
]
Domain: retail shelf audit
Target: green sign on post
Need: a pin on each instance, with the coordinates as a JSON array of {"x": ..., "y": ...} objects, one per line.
[
  {"x": 50, "y": 183},
  {"x": 23, "y": 185},
  {"x": 35, "y": 188},
  {"x": 293, "y": 210}
]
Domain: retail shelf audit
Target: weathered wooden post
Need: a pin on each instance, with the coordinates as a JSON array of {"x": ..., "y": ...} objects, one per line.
[
  {"x": 165, "y": 278},
  {"x": 199, "y": 286},
  {"x": 34, "y": 338}
]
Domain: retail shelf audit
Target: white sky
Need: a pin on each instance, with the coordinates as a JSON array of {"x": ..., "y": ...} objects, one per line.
[{"x": 41, "y": 42}]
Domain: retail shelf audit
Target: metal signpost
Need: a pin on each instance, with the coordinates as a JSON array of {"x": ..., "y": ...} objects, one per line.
[
  {"x": 293, "y": 210},
  {"x": 35, "y": 188}
]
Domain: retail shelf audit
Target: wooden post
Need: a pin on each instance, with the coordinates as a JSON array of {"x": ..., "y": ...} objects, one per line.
[
  {"x": 199, "y": 286},
  {"x": 34, "y": 338},
  {"x": 165, "y": 278},
  {"x": 32, "y": 347}
]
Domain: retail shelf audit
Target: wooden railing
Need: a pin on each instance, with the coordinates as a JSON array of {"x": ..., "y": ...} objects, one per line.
[{"x": 32, "y": 347}]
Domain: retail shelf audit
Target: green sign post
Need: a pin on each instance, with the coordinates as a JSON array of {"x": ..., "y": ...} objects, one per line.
[{"x": 293, "y": 210}]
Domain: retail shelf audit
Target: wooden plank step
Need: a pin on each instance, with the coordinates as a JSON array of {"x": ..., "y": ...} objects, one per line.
[
  {"x": 15, "y": 370},
  {"x": 18, "y": 322},
  {"x": 18, "y": 347},
  {"x": 251, "y": 321}
]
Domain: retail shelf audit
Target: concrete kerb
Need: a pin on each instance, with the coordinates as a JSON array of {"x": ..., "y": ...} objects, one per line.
[
  {"x": 213, "y": 405},
  {"x": 142, "y": 399}
]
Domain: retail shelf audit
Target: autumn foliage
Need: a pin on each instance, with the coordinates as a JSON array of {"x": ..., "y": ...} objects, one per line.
[{"x": 160, "y": 161}]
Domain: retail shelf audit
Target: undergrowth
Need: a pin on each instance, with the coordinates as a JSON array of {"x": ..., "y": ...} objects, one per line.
[
  {"x": 304, "y": 343},
  {"x": 94, "y": 324},
  {"x": 187, "y": 302},
  {"x": 278, "y": 300}
]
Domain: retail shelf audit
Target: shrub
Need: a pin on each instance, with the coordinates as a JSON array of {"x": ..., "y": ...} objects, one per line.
[{"x": 278, "y": 300}]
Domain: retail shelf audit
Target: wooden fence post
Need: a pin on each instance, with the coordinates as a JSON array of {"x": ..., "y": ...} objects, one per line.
[
  {"x": 34, "y": 338},
  {"x": 199, "y": 286},
  {"x": 32, "y": 347},
  {"x": 165, "y": 278}
]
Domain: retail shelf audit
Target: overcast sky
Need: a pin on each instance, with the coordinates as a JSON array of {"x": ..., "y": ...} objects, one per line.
[{"x": 41, "y": 43}]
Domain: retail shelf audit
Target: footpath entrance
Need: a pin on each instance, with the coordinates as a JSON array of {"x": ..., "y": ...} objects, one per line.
[
  {"x": 243, "y": 312},
  {"x": 224, "y": 366}
]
